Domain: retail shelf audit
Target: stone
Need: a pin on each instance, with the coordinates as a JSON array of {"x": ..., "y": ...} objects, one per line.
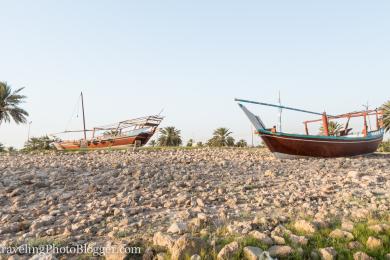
[
  {"x": 347, "y": 226},
  {"x": 353, "y": 174},
  {"x": 148, "y": 254},
  {"x": 305, "y": 227},
  {"x": 228, "y": 251},
  {"x": 379, "y": 228},
  {"x": 186, "y": 246},
  {"x": 163, "y": 240},
  {"x": 353, "y": 245},
  {"x": 361, "y": 256},
  {"x": 341, "y": 234},
  {"x": 44, "y": 256},
  {"x": 196, "y": 257},
  {"x": 116, "y": 252},
  {"x": 279, "y": 240},
  {"x": 263, "y": 238},
  {"x": 280, "y": 251},
  {"x": 328, "y": 253},
  {"x": 252, "y": 253},
  {"x": 374, "y": 243},
  {"x": 178, "y": 228}
]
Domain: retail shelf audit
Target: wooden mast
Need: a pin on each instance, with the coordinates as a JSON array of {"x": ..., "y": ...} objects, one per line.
[{"x": 82, "y": 106}]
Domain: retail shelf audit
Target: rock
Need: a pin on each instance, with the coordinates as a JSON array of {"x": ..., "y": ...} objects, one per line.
[
  {"x": 252, "y": 253},
  {"x": 374, "y": 243},
  {"x": 280, "y": 251},
  {"x": 298, "y": 240},
  {"x": 263, "y": 238},
  {"x": 148, "y": 254},
  {"x": 353, "y": 245},
  {"x": 186, "y": 246},
  {"x": 116, "y": 251},
  {"x": 161, "y": 256},
  {"x": 178, "y": 228},
  {"x": 195, "y": 257},
  {"x": 279, "y": 240},
  {"x": 379, "y": 228},
  {"x": 328, "y": 253},
  {"x": 340, "y": 234},
  {"x": 305, "y": 227},
  {"x": 163, "y": 240},
  {"x": 347, "y": 226},
  {"x": 44, "y": 256},
  {"x": 353, "y": 174},
  {"x": 361, "y": 256},
  {"x": 228, "y": 251}
]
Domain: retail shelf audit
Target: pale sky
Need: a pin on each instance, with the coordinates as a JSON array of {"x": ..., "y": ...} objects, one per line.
[{"x": 192, "y": 58}]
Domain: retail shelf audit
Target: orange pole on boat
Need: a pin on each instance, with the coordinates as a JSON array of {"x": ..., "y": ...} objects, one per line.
[
  {"x": 377, "y": 120},
  {"x": 325, "y": 124},
  {"x": 365, "y": 124},
  {"x": 306, "y": 129}
]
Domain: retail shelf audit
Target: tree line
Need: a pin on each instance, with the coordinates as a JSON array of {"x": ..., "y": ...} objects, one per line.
[{"x": 10, "y": 110}]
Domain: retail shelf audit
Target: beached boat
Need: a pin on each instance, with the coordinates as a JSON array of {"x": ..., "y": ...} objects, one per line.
[
  {"x": 344, "y": 143},
  {"x": 133, "y": 132}
]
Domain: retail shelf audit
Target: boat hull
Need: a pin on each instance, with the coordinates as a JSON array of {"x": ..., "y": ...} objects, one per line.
[
  {"x": 293, "y": 146},
  {"x": 114, "y": 142}
]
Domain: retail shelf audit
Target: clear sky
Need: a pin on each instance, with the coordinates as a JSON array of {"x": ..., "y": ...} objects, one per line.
[{"x": 133, "y": 58}]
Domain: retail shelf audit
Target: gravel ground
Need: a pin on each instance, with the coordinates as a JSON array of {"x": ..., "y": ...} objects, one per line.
[{"x": 110, "y": 195}]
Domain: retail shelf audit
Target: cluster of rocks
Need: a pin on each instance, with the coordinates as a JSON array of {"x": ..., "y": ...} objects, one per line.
[
  {"x": 79, "y": 198},
  {"x": 281, "y": 242}
]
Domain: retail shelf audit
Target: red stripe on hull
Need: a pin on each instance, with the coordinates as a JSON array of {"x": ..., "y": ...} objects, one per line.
[
  {"x": 312, "y": 147},
  {"x": 106, "y": 143}
]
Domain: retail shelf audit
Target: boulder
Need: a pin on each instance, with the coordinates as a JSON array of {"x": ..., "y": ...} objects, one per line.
[
  {"x": 252, "y": 253},
  {"x": 374, "y": 243},
  {"x": 163, "y": 240},
  {"x": 341, "y": 234},
  {"x": 228, "y": 251},
  {"x": 328, "y": 253},
  {"x": 263, "y": 238},
  {"x": 280, "y": 251},
  {"x": 186, "y": 246},
  {"x": 305, "y": 227},
  {"x": 178, "y": 228},
  {"x": 361, "y": 256}
]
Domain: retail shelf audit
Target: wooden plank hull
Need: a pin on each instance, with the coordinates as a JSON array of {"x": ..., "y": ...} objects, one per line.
[
  {"x": 289, "y": 145},
  {"x": 115, "y": 142}
]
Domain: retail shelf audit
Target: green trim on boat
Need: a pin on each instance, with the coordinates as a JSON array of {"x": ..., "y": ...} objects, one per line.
[{"x": 369, "y": 137}]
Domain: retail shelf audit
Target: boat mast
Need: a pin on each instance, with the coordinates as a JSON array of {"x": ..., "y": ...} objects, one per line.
[{"x": 82, "y": 106}]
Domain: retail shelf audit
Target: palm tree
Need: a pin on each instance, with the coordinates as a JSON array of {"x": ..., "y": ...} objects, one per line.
[
  {"x": 190, "y": 143},
  {"x": 9, "y": 105},
  {"x": 169, "y": 136},
  {"x": 241, "y": 143},
  {"x": 386, "y": 116},
  {"x": 39, "y": 143},
  {"x": 221, "y": 137},
  {"x": 334, "y": 128}
]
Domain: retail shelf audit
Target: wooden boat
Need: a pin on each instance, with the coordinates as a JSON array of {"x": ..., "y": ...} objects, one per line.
[
  {"x": 343, "y": 144},
  {"x": 133, "y": 132}
]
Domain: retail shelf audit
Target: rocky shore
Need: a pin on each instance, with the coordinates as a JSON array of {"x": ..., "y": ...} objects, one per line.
[{"x": 199, "y": 203}]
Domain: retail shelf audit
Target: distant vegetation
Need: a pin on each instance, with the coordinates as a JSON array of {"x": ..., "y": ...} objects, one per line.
[
  {"x": 334, "y": 128},
  {"x": 221, "y": 138},
  {"x": 9, "y": 105},
  {"x": 39, "y": 144},
  {"x": 190, "y": 143},
  {"x": 2, "y": 148},
  {"x": 241, "y": 143},
  {"x": 386, "y": 115},
  {"x": 384, "y": 146},
  {"x": 169, "y": 136}
]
